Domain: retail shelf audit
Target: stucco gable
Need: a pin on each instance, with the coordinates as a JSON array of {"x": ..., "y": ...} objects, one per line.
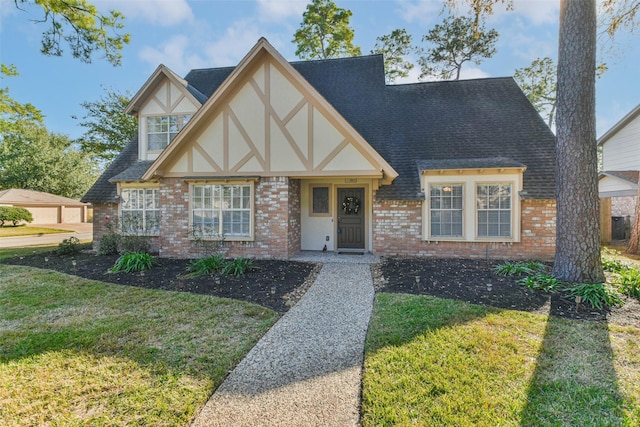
[{"x": 266, "y": 119}]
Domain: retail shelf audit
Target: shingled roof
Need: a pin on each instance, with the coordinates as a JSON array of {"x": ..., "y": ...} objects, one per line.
[{"x": 462, "y": 120}]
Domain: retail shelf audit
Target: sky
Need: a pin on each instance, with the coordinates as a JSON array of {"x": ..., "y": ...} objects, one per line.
[{"x": 187, "y": 34}]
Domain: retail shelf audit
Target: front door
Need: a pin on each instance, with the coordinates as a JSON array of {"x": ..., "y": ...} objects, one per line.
[{"x": 351, "y": 208}]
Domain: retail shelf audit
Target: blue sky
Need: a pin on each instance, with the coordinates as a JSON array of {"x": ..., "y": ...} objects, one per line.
[{"x": 186, "y": 34}]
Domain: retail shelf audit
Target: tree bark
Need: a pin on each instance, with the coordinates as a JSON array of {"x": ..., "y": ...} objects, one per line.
[
  {"x": 577, "y": 257},
  {"x": 634, "y": 241}
]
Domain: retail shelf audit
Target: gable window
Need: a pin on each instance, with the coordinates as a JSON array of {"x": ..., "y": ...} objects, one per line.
[
  {"x": 493, "y": 210},
  {"x": 162, "y": 129},
  {"x": 222, "y": 211},
  {"x": 445, "y": 204},
  {"x": 140, "y": 211}
]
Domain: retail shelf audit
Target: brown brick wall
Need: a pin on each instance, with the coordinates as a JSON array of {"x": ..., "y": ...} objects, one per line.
[
  {"x": 397, "y": 230},
  {"x": 276, "y": 221},
  {"x": 104, "y": 214}
]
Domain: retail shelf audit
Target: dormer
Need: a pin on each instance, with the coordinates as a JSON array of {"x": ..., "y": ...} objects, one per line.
[{"x": 163, "y": 105}]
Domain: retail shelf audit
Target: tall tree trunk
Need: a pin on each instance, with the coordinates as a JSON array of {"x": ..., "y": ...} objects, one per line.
[
  {"x": 577, "y": 226},
  {"x": 634, "y": 241}
]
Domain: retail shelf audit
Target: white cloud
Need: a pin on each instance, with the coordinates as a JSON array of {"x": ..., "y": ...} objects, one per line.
[
  {"x": 421, "y": 11},
  {"x": 278, "y": 10},
  {"x": 174, "y": 54},
  {"x": 234, "y": 43},
  {"x": 165, "y": 13},
  {"x": 469, "y": 72},
  {"x": 539, "y": 12}
]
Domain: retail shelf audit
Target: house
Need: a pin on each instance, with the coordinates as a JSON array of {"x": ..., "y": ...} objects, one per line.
[
  {"x": 46, "y": 208},
  {"x": 280, "y": 157},
  {"x": 618, "y": 181}
]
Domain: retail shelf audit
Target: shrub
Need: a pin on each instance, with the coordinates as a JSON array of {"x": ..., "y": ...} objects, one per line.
[
  {"x": 597, "y": 295},
  {"x": 238, "y": 266},
  {"x": 109, "y": 244},
  {"x": 542, "y": 282},
  {"x": 132, "y": 262},
  {"x": 519, "y": 268},
  {"x": 14, "y": 215},
  {"x": 609, "y": 263},
  {"x": 628, "y": 281},
  {"x": 70, "y": 246},
  {"x": 208, "y": 265},
  {"x": 133, "y": 243}
]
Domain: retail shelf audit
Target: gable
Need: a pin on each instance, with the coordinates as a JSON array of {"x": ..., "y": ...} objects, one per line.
[{"x": 266, "y": 120}]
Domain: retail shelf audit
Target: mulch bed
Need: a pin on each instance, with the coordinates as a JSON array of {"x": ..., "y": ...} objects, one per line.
[
  {"x": 280, "y": 284},
  {"x": 274, "y": 284},
  {"x": 468, "y": 280}
]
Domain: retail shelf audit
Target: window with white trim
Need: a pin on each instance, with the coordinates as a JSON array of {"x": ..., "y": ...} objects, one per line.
[
  {"x": 493, "y": 207},
  {"x": 219, "y": 210},
  {"x": 140, "y": 211},
  {"x": 445, "y": 210},
  {"x": 162, "y": 129}
]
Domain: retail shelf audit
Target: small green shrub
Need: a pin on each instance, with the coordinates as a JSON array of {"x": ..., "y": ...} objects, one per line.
[
  {"x": 133, "y": 243},
  {"x": 108, "y": 244},
  {"x": 597, "y": 295},
  {"x": 132, "y": 262},
  {"x": 541, "y": 282},
  {"x": 628, "y": 281},
  {"x": 614, "y": 265},
  {"x": 70, "y": 246},
  {"x": 14, "y": 215},
  {"x": 208, "y": 265},
  {"x": 519, "y": 268},
  {"x": 238, "y": 266}
]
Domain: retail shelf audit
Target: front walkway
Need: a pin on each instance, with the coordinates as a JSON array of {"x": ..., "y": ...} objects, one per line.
[{"x": 306, "y": 370}]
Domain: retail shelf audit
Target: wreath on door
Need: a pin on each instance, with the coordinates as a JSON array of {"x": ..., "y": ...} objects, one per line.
[{"x": 351, "y": 205}]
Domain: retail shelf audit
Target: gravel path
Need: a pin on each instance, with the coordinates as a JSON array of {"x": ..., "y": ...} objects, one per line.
[{"x": 306, "y": 370}]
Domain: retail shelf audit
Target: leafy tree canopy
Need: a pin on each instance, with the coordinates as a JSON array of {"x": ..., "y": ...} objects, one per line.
[
  {"x": 453, "y": 43},
  {"x": 79, "y": 24},
  {"x": 108, "y": 127},
  {"x": 538, "y": 82},
  {"x": 33, "y": 158},
  {"x": 11, "y": 111},
  {"x": 325, "y": 32},
  {"x": 395, "y": 47}
]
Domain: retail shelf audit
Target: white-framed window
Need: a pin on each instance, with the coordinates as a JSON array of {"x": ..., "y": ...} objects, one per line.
[
  {"x": 493, "y": 207},
  {"x": 222, "y": 210},
  {"x": 446, "y": 210},
  {"x": 162, "y": 129},
  {"x": 140, "y": 211}
]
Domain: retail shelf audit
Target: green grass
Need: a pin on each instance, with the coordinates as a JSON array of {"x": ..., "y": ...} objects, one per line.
[
  {"x": 79, "y": 352},
  {"x": 436, "y": 362},
  {"x": 28, "y": 250},
  {"x": 22, "y": 230}
]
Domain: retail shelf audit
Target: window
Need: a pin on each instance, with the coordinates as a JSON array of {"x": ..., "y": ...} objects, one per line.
[
  {"x": 494, "y": 210},
  {"x": 320, "y": 205},
  {"x": 221, "y": 210},
  {"x": 162, "y": 129},
  {"x": 445, "y": 204},
  {"x": 140, "y": 210}
]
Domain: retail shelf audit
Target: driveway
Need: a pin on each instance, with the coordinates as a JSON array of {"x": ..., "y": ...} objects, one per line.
[{"x": 82, "y": 231}]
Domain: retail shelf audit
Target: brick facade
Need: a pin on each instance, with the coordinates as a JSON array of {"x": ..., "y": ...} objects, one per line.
[
  {"x": 397, "y": 230},
  {"x": 103, "y": 215}
]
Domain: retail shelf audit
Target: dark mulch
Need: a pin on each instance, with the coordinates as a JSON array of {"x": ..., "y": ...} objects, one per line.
[
  {"x": 468, "y": 280},
  {"x": 272, "y": 283}
]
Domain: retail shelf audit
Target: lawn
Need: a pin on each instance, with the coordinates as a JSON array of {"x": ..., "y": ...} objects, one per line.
[
  {"x": 22, "y": 230},
  {"x": 80, "y": 352},
  {"x": 441, "y": 362}
]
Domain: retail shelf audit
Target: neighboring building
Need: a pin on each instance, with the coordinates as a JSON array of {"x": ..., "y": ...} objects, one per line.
[
  {"x": 618, "y": 184},
  {"x": 46, "y": 208},
  {"x": 280, "y": 157}
]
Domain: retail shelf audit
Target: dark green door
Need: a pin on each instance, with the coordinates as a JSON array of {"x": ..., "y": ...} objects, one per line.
[{"x": 351, "y": 207}]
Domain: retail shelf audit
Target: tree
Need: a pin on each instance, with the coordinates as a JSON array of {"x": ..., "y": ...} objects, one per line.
[
  {"x": 619, "y": 14},
  {"x": 538, "y": 82},
  {"x": 11, "y": 111},
  {"x": 395, "y": 47},
  {"x": 577, "y": 223},
  {"x": 81, "y": 26},
  {"x": 324, "y": 32},
  {"x": 453, "y": 43},
  {"x": 33, "y": 158},
  {"x": 109, "y": 128}
]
